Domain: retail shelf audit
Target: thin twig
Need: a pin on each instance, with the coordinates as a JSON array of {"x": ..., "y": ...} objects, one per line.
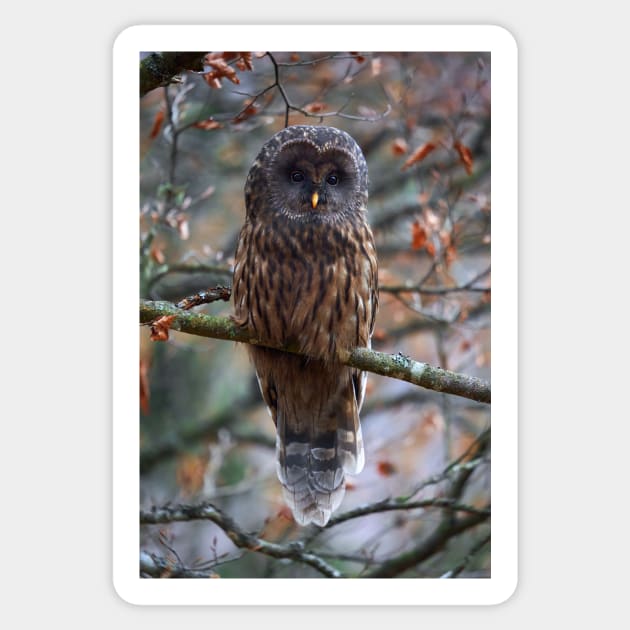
[{"x": 206, "y": 511}]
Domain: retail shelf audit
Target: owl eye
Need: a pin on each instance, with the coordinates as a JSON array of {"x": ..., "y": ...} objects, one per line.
[
  {"x": 332, "y": 179},
  {"x": 297, "y": 177}
]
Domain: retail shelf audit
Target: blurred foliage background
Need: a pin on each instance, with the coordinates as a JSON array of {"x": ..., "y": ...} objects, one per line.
[{"x": 423, "y": 122}]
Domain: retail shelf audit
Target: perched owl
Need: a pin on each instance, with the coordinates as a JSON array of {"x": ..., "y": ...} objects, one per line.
[{"x": 305, "y": 275}]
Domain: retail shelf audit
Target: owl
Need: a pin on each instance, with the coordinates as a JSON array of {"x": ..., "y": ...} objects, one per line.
[{"x": 305, "y": 276}]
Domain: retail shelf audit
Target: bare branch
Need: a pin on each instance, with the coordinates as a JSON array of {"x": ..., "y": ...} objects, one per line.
[
  {"x": 429, "y": 546},
  {"x": 205, "y": 511},
  {"x": 152, "y": 565},
  {"x": 389, "y": 505}
]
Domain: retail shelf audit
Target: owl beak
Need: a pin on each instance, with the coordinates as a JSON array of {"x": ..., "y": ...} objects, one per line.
[{"x": 314, "y": 200}]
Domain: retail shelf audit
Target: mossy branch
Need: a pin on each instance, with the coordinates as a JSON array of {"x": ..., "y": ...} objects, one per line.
[
  {"x": 158, "y": 69},
  {"x": 395, "y": 366}
]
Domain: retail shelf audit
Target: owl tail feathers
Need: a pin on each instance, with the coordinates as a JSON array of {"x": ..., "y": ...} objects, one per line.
[{"x": 311, "y": 471}]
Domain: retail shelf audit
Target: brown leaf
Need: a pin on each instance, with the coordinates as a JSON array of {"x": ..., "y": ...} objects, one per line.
[
  {"x": 379, "y": 334},
  {"x": 249, "y": 110},
  {"x": 450, "y": 254},
  {"x": 419, "y": 154},
  {"x": 418, "y": 235},
  {"x": 190, "y": 473},
  {"x": 358, "y": 58},
  {"x": 465, "y": 156},
  {"x": 220, "y": 70},
  {"x": 315, "y": 107},
  {"x": 157, "y": 254},
  {"x": 385, "y": 468},
  {"x": 430, "y": 248},
  {"x": 144, "y": 386},
  {"x": 157, "y": 124},
  {"x": 208, "y": 125},
  {"x": 160, "y": 328},
  {"x": 400, "y": 146},
  {"x": 245, "y": 62}
]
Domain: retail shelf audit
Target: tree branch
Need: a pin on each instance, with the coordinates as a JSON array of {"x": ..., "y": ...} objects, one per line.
[
  {"x": 159, "y": 69},
  {"x": 395, "y": 366},
  {"x": 431, "y": 545},
  {"x": 205, "y": 511}
]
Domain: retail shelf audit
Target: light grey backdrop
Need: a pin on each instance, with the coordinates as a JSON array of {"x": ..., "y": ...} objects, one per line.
[{"x": 56, "y": 260}]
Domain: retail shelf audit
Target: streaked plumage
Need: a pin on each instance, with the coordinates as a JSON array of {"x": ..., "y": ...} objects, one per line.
[{"x": 306, "y": 274}]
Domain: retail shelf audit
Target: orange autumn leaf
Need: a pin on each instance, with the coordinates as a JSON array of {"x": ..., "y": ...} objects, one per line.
[
  {"x": 419, "y": 154},
  {"x": 190, "y": 473},
  {"x": 465, "y": 156},
  {"x": 249, "y": 110},
  {"x": 358, "y": 58},
  {"x": 220, "y": 70},
  {"x": 399, "y": 146},
  {"x": 430, "y": 247},
  {"x": 445, "y": 237},
  {"x": 157, "y": 124},
  {"x": 144, "y": 386},
  {"x": 314, "y": 108},
  {"x": 157, "y": 254},
  {"x": 385, "y": 468},
  {"x": 418, "y": 235},
  {"x": 208, "y": 124},
  {"x": 160, "y": 328},
  {"x": 379, "y": 334},
  {"x": 450, "y": 254}
]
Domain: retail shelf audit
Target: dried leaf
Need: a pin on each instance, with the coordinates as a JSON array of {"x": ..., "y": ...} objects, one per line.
[
  {"x": 220, "y": 70},
  {"x": 208, "y": 125},
  {"x": 419, "y": 154},
  {"x": 357, "y": 57},
  {"x": 418, "y": 235},
  {"x": 160, "y": 328},
  {"x": 450, "y": 254},
  {"x": 157, "y": 254},
  {"x": 190, "y": 473},
  {"x": 430, "y": 249},
  {"x": 315, "y": 107},
  {"x": 144, "y": 386},
  {"x": 400, "y": 146},
  {"x": 157, "y": 124},
  {"x": 385, "y": 468},
  {"x": 379, "y": 334},
  {"x": 249, "y": 110},
  {"x": 465, "y": 156},
  {"x": 294, "y": 57}
]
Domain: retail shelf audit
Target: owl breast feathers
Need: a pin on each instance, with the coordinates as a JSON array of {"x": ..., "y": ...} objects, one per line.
[{"x": 305, "y": 276}]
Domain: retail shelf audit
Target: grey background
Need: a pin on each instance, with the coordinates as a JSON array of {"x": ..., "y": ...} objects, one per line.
[{"x": 56, "y": 402}]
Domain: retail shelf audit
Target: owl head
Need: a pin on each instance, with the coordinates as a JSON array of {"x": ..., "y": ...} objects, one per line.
[{"x": 310, "y": 174}]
